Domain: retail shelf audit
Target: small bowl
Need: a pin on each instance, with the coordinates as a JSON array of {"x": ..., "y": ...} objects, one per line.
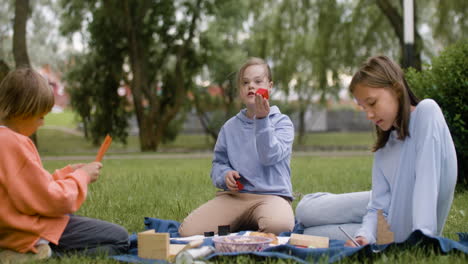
[{"x": 241, "y": 243}]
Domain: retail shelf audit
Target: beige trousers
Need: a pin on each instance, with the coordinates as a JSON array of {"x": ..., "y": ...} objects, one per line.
[{"x": 242, "y": 211}]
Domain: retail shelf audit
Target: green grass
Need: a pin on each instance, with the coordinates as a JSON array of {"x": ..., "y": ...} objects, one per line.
[
  {"x": 339, "y": 139},
  {"x": 129, "y": 190},
  {"x": 66, "y": 119},
  {"x": 59, "y": 137},
  {"x": 53, "y": 141}
]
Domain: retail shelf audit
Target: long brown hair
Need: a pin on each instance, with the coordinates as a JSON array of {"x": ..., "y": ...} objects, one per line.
[{"x": 382, "y": 72}]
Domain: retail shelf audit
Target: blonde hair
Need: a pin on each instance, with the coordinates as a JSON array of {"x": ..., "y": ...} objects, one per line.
[
  {"x": 382, "y": 72},
  {"x": 24, "y": 93},
  {"x": 250, "y": 62}
]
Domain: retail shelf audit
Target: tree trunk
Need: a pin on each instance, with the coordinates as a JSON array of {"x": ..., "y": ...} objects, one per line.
[
  {"x": 153, "y": 113},
  {"x": 4, "y": 69},
  {"x": 139, "y": 84},
  {"x": 204, "y": 119},
  {"x": 396, "y": 20},
  {"x": 301, "y": 128},
  {"x": 20, "y": 48},
  {"x": 20, "y": 51}
]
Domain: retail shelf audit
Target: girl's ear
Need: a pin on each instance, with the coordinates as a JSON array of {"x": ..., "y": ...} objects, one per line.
[{"x": 270, "y": 86}]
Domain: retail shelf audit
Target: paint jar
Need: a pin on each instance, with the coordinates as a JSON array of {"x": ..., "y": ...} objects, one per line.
[{"x": 190, "y": 256}]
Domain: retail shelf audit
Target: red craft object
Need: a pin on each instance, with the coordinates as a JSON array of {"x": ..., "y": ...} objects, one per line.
[
  {"x": 240, "y": 186},
  {"x": 102, "y": 150},
  {"x": 263, "y": 92}
]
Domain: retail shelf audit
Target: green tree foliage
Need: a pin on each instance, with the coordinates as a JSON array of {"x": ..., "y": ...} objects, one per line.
[
  {"x": 6, "y": 16},
  {"x": 310, "y": 43},
  {"x": 446, "y": 81},
  {"x": 159, "y": 47},
  {"x": 92, "y": 85},
  {"x": 376, "y": 26},
  {"x": 155, "y": 41},
  {"x": 44, "y": 43},
  {"x": 448, "y": 18},
  {"x": 222, "y": 53},
  {"x": 301, "y": 41}
]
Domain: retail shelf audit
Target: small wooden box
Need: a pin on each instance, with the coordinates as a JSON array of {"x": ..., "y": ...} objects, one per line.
[
  {"x": 152, "y": 245},
  {"x": 307, "y": 241}
]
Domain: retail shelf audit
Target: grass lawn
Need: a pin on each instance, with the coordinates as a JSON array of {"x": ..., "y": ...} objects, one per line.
[
  {"x": 129, "y": 190},
  {"x": 59, "y": 141},
  {"x": 66, "y": 119},
  {"x": 60, "y": 137}
]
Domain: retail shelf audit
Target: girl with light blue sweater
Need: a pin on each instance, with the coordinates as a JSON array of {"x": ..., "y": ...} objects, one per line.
[
  {"x": 414, "y": 171},
  {"x": 250, "y": 165}
]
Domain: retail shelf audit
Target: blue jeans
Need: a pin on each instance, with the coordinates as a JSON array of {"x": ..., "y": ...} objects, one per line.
[
  {"x": 88, "y": 236},
  {"x": 322, "y": 213}
]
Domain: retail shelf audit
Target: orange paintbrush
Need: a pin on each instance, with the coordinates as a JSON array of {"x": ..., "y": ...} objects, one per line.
[{"x": 102, "y": 150}]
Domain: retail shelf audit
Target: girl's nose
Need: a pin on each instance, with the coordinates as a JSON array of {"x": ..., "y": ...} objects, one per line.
[{"x": 370, "y": 114}]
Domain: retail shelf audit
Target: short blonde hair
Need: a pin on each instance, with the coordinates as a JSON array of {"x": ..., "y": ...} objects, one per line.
[
  {"x": 250, "y": 62},
  {"x": 24, "y": 93}
]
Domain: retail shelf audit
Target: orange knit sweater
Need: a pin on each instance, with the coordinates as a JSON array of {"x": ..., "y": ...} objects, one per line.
[{"x": 33, "y": 203}]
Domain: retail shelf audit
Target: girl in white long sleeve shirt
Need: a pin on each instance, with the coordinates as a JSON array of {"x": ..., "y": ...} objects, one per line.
[{"x": 415, "y": 167}]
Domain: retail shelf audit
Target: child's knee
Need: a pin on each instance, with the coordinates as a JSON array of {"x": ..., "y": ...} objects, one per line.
[
  {"x": 120, "y": 241},
  {"x": 310, "y": 207},
  {"x": 276, "y": 226},
  {"x": 121, "y": 234},
  {"x": 186, "y": 230}
]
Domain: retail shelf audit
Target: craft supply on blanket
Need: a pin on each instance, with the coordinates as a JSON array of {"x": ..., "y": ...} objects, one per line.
[
  {"x": 223, "y": 230},
  {"x": 152, "y": 245},
  {"x": 241, "y": 243},
  {"x": 269, "y": 235},
  {"x": 190, "y": 255},
  {"x": 308, "y": 240},
  {"x": 349, "y": 237},
  {"x": 208, "y": 234}
]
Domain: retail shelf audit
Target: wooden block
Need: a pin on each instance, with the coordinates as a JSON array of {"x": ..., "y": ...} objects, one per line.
[
  {"x": 174, "y": 249},
  {"x": 384, "y": 235},
  {"x": 308, "y": 240},
  {"x": 152, "y": 245}
]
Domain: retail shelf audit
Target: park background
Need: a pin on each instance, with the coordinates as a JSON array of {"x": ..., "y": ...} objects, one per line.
[{"x": 159, "y": 76}]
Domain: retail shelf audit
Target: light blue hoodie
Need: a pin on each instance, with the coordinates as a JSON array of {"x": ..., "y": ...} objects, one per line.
[
  {"x": 259, "y": 149},
  {"x": 413, "y": 180}
]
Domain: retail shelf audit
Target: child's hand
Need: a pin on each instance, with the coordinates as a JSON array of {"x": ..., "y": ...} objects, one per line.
[
  {"x": 360, "y": 240},
  {"x": 230, "y": 178},
  {"x": 77, "y": 166},
  {"x": 262, "y": 107},
  {"x": 92, "y": 169}
]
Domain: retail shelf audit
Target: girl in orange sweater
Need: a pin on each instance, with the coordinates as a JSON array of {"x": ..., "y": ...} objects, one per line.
[{"x": 36, "y": 206}]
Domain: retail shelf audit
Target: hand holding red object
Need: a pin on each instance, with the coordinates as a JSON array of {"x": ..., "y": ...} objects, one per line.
[
  {"x": 240, "y": 186},
  {"x": 92, "y": 169},
  {"x": 231, "y": 179},
  {"x": 263, "y": 92}
]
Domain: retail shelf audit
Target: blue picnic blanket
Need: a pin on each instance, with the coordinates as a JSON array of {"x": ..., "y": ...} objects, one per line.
[{"x": 335, "y": 252}]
